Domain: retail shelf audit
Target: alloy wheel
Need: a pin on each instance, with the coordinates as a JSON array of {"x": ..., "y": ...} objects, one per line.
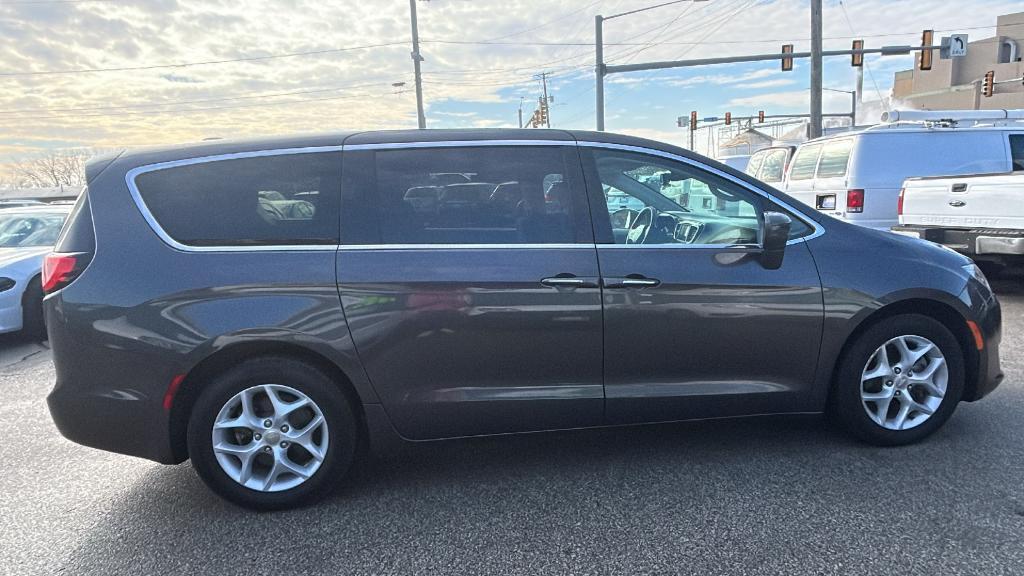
[
  {"x": 270, "y": 437},
  {"x": 904, "y": 382}
]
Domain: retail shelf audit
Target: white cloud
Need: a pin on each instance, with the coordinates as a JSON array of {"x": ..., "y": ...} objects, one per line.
[{"x": 464, "y": 84}]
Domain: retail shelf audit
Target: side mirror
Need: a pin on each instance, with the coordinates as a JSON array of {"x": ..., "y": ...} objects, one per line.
[{"x": 776, "y": 234}]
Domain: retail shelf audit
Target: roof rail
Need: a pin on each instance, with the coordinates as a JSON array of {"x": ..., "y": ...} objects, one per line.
[{"x": 951, "y": 116}]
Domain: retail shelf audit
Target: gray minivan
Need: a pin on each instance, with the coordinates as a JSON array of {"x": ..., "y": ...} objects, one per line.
[{"x": 268, "y": 308}]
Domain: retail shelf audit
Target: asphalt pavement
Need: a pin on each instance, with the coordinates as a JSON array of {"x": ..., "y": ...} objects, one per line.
[{"x": 756, "y": 496}]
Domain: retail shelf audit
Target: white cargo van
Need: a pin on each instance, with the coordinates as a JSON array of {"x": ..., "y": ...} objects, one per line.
[
  {"x": 980, "y": 216},
  {"x": 857, "y": 176}
]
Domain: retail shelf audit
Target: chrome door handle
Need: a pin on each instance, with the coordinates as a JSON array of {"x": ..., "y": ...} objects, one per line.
[
  {"x": 631, "y": 282},
  {"x": 568, "y": 282}
]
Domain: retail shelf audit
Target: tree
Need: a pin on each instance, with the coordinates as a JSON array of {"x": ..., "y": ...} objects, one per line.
[{"x": 50, "y": 170}]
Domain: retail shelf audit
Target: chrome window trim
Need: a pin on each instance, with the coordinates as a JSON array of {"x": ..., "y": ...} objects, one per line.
[
  {"x": 506, "y": 246},
  {"x": 818, "y": 229},
  {"x": 130, "y": 176},
  {"x": 457, "y": 144}
]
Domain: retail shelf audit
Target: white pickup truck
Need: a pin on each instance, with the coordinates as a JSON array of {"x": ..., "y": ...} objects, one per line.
[{"x": 980, "y": 216}]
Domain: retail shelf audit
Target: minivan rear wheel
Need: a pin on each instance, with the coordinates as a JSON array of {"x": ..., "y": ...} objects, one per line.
[
  {"x": 899, "y": 381},
  {"x": 272, "y": 433}
]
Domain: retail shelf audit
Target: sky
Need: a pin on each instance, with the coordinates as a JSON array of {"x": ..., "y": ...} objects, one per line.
[{"x": 111, "y": 73}]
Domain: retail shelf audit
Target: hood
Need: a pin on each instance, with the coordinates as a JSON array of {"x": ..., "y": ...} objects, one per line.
[{"x": 9, "y": 256}]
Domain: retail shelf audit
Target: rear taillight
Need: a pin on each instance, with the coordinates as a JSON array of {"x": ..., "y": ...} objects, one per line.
[
  {"x": 899, "y": 203},
  {"x": 855, "y": 200},
  {"x": 59, "y": 269}
]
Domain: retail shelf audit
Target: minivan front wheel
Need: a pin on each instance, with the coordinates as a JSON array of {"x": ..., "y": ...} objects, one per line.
[
  {"x": 272, "y": 433},
  {"x": 899, "y": 381}
]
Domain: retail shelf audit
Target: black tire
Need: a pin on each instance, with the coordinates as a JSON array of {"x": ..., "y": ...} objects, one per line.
[
  {"x": 33, "y": 324},
  {"x": 338, "y": 412},
  {"x": 845, "y": 404}
]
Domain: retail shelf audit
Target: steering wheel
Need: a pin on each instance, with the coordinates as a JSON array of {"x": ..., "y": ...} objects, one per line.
[
  {"x": 623, "y": 218},
  {"x": 642, "y": 224}
]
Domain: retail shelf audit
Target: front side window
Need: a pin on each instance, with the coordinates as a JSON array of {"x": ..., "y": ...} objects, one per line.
[
  {"x": 1017, "y": 152},
  {"x": 476, "y": 195},
  {"x": 290, "y": 199},
  {"x": 674, "y": 203},
  {"x": 805, "y": 162}
]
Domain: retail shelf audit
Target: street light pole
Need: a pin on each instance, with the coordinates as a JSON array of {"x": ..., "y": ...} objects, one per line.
[
  {"x": 599, "y": 68},
  {"x": 421, "y": 119}
]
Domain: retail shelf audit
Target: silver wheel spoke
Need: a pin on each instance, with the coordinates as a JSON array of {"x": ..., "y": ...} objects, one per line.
[
  {"x": 883, "y": 369},
  {"x": 288, "y": 466},
  {"x": 929, "y": 371},
  {"x": 304, "y": 438},
  {"x": 264, "y": 463},
  {"x": 901, "y": 416},
  {"x": 881, "y": 410},
  {"x": 916, "y": 406},
  {"x": 928, "y": 387},
  {"x": 900, "y": 381}
]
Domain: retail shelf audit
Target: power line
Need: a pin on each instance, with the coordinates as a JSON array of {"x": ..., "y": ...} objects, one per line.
[
  {"x": 180, "y": 102},
  {"x": 201, "y": 63},
  {"x": 188, "y": 110}
]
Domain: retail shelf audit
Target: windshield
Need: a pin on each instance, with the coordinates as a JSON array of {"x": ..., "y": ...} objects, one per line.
[{"x": 22, "y": 230}]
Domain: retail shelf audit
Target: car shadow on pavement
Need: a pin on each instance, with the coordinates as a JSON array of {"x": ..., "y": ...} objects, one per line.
[{"x": 495, "y": 492}]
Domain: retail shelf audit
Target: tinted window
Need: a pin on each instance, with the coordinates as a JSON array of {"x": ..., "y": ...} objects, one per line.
[
  {"x": 1017, "y": 151},
  {"x": 476, "y": 195},
  {"x": 834, "y": 158},
  {"x": 269, "y": 200},
  {"x": 774, "y": 166},
  {"x": 804, "y": 162},
  {"x": 678, "y": 203}
]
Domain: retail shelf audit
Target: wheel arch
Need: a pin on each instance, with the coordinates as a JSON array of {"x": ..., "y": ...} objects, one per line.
[
  {"x": 224, "y": 358},
  {"x": 944, "y": 312}
]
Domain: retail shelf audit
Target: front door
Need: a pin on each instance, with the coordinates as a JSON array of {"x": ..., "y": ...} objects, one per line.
[
  {"x": 473, "y": 295},
  {"x": 695, "y": 325}
]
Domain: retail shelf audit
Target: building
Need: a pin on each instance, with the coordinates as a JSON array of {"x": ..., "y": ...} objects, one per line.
[{"x": 955, "y": 84}]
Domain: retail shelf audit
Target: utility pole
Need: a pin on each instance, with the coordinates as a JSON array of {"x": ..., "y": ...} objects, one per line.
[
  {"x": 814, "y": 129},
  {"x": 547, "y": 107},
  {"x": 599, "y": 68},
  {"x": 520, "y": 111},
  {"x": 421, "y": 119}
]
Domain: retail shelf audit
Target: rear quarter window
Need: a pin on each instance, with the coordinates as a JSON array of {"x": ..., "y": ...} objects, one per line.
[
  {"x": 805, "y": 162},
  {"x": 288, "y": 199}
]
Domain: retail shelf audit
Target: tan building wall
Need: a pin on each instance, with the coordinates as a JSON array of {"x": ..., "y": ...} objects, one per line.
[{"x": 955, "y": 83}]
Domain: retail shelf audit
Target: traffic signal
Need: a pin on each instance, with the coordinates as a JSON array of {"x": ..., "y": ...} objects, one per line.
[
  {"x": 542, "y": 112},
  {"x": 787, "y": 63},
  {"x": 988, "y": 86},
  {"x": 728, "y": 118},
  {"x": 925, "y": 60},
  {"x": 857, "y": 60},
  {"x": 693, "y": 120},
  {"x": 760, "y": 116}
]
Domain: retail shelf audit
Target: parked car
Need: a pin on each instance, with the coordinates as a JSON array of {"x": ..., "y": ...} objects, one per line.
[
  {"x": 186, "y": 325},
  {"x": 769, "y": 164},
  {"x": 27, "y": 234},
  {"x": 980, "y": 216},
  {"x": 857, "y": 176}
]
